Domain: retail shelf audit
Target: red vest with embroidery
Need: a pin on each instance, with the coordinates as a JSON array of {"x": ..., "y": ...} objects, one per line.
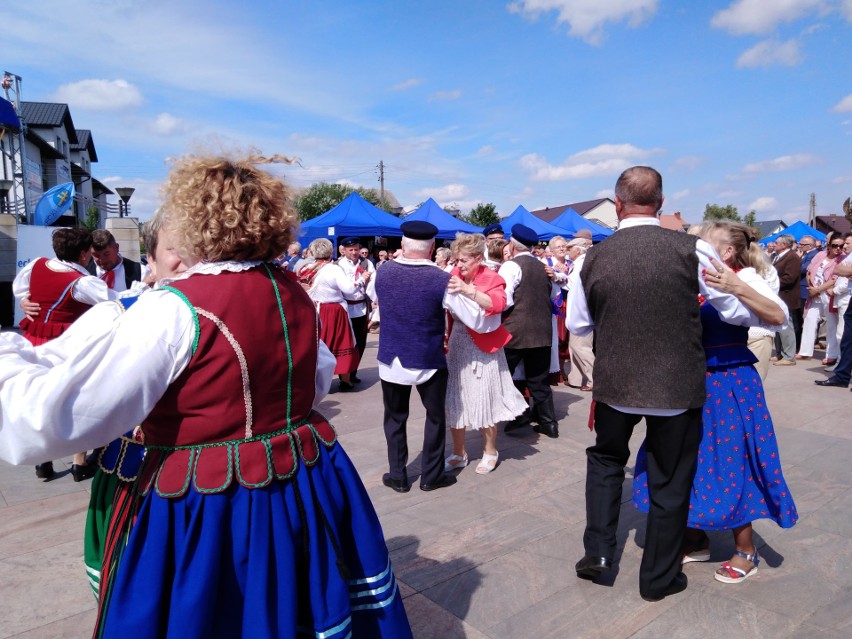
[
  {"x": 52, "y": 290},
  {"x": 241, "y": 411}
]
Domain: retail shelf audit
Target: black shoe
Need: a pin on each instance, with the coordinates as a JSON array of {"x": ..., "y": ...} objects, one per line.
[
  {"x": 446, "y": 480},
  {"x": 830, "y": 382},
  {"x": 515, "y": 424},
  {"x": 676, "y": 586},
  {"x": 81, "y": 472},
  {"x": 399, "y": 485},
  {"x": 355, "y": 379},
  {"x": 551, "y": 430},
  {"x": 346, "y": 388},
  {"x": 45, "y": 470},
  {"x": 591, "y": 567}
]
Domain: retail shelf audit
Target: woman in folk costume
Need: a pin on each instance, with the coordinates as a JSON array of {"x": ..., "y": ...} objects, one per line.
[
  {"x": 249, "y": 518},
  {"x": 480, "y": 391},
  {"x": 119, "y": 462},
  {"x": 738, "y": 478},
  {"x": 329, "y": 287},
  {"x": 54, "y": 293}
]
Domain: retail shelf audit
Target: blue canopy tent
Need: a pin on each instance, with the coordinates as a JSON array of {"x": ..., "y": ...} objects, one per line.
[
  {"x": 572, "y": 222},
  {"x": 520, "y": 215},
  {"x": 797, "y": 230},
  {"x": 448, "y": 226},
  {"x": 8, "y": 117},
  {"x": 354, "y": 216}
]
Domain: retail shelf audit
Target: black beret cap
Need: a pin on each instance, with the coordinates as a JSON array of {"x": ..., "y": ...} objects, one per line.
[
  {"x": 525, "y": 235},
  {"x": 350, "y": 241},
  {"x": 418, "y": 230}
]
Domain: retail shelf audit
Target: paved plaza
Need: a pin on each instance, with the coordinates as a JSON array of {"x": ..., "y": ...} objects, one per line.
[{"x": 493, "y": 556}]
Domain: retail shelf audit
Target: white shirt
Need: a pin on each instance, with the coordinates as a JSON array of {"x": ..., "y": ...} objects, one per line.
[
  {"x": 332, "y": 285},
  {"x": 511, "y": 273},
  {"x": 350, "y": 268},
  {"x": 579, "y": 320},
  {"x": 463, "y": 308},
  {"x": 119, "y": 284},
  {"x": 87, "y": 289},
  {"x": 52, "y": 397},
  {"x": 841, "y": 286}
]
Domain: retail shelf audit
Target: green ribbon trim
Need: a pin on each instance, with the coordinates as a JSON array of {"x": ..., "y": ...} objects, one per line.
[
  {"x": 235, "y": 442},
  {"x": 192, "y": 310},
  {"x": 286, "y": 340}
]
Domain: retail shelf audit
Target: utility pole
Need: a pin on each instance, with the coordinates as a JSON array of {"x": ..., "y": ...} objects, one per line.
[
  {"x": 812, "y": 211},
  {"x": 382, "y": 182}
]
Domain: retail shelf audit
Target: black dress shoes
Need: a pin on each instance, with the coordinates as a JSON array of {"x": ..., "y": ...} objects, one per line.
[
  {"x": 45, "y": 470},
  {"x": 676, "y": 586},
  {"x": 591, "y": 567},
  {"x": 355, "y": 379},
  {"x": 515, "y": 424},
  {"x": 551, "y": 430},
  {"x": 446, "y": 480},
  {"x": 86, "y": 471},
  {"x": 830, "y": 382},
  {"x": 399, "y": 485},
  {"x": 346, "y": 388}
]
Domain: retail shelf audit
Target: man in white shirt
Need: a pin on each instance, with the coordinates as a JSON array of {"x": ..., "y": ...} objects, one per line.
[
  {"x": 118, "y": 272},
  {"x": 359, "y": 271}
]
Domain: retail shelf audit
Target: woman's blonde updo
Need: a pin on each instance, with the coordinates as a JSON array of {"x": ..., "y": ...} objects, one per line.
[
  {"x": 469, "y": 244},
  {"x": 224, "y": 209},
  {"x": 742, "y": 238},
  {"x": 321, "y": 249}
]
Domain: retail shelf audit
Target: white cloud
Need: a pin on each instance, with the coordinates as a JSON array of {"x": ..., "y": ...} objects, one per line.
[
  {"x": 687, "y": 163},
  {"x": 610, "y": 193},
  {"x": 679, "y": 195},
  {"x": 444, "y": 193},
  {"x": 842, "y": 179},
  {"x": 846, "y": 9},
  {"x": 845, "y": 105},
  {"x": 763, "y": 204},
  {"x": 605, "y": 159},
  {"x": 406, "y": 84},
  {"x": 586, "y": 18},
  {"x": 728, "y": 195},
  {"x": 782, "y": 163},
  {"x": 165, "y": 124},
  {"x": 760, "y": 17},
  {"x": 769, "y": 53},
  {"x": 485, "y": 150},
  {"x": 99, "y": 95},
  {"x": 455, "y": 94}
]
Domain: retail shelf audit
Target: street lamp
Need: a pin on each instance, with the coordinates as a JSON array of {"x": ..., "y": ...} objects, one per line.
[
  {"x": 5, "y": 187},
  {"x": 124, "y": 192}
]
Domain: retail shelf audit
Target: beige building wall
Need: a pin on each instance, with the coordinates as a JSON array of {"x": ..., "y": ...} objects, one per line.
[
  {"x": 126, "y": 233},
  {"x": 8, "y": 247}
]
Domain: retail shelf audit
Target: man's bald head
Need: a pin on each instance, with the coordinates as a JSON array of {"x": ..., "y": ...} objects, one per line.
[{"x": 639, "y": 190}]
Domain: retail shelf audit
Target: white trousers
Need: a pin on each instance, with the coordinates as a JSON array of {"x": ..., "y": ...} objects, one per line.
[{"x": 810, "y": 324}]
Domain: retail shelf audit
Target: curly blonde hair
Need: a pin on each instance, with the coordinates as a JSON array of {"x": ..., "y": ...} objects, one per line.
[
  {"x": 227, "y": 209},
  {"x": 468, "y": 243}
]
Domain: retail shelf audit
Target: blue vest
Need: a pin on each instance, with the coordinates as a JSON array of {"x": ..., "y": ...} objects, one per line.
[{"x": 411, "y": 302}]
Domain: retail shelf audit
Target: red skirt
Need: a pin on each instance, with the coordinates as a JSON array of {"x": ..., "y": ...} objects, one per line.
[
  {"x": 562, "y": 331},
  {"x": 336, "y": 332}
]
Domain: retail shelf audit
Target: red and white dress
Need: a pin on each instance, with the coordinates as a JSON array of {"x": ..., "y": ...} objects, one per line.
[{"x": 329, "y": 289}]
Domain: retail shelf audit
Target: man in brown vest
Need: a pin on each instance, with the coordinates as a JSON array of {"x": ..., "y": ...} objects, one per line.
[
  {"x": 649, "y": 362},
  {"x": 527, "y": 318}
]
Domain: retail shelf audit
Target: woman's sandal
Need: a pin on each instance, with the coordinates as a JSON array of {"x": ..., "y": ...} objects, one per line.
[
  {"x": 486, "y": 464},
  {"x": 454, "y": 462},
  {"x": 736, "y": 575}
]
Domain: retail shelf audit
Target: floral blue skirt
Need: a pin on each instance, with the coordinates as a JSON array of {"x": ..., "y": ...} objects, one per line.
[
  {"x": 303, "y": 557},
  {"x": 738, "y": 478}
]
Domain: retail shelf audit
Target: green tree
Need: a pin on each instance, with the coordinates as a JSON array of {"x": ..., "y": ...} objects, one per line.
[
  {"x": 322, "y": 196},
  {"x": 93, "y": 218},
  {"x": 716, "y": 212},
  {"x": 482, "y": 215},
  {"x": 751, "y": 218}
]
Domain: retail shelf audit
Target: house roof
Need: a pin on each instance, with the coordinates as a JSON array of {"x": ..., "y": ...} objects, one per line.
[
  {"x": 85, "y": 142},
  {"x": 673, "y": 222},
  {"x": 548, "y": 214},
  {"x": 833, "y": 222},
  {"x": 99, "y": 186},
  {"x": 47, "y": 150},
  {"x": 769, "y": 227},
  {"x": 49, "y": 114}
]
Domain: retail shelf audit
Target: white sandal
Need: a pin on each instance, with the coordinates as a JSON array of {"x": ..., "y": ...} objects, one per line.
[
  {"x": 454, "y": 462},
  {"x": 484, "y": 467}
]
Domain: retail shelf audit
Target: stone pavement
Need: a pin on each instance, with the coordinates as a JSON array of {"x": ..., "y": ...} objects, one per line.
[{"x": 493, "y": 555}]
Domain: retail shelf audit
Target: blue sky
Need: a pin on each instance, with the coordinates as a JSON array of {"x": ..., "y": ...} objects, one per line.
[{"x": 533, "y": 102}]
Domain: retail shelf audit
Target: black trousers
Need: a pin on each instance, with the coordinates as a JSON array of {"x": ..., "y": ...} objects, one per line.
[
  {"x": 359, "y": 327},
  {"x": 797, "y": 318},
  {"x": 672, "y": 451},
  {"x": 433, "y": 394},
  {"x": 537, "y": 370}
]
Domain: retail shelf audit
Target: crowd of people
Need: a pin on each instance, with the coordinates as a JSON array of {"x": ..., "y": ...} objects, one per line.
[{"x": 220, "y": 419}]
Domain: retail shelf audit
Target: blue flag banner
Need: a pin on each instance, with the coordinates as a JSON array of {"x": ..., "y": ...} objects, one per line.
[{"x": 53, "y": 204}]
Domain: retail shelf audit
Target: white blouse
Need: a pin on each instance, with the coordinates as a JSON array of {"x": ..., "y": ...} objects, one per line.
[
  {"x": 331, "y": 284},
  {"x": 102, "y": 376}
]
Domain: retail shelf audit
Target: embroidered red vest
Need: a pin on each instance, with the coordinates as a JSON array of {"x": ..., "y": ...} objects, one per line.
[
  {"x": 241, "y": 411},
  {"x": 52, "y": 290}
]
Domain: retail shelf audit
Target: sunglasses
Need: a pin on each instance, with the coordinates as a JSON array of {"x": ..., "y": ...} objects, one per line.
[{"x": 836, "y": 245}]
